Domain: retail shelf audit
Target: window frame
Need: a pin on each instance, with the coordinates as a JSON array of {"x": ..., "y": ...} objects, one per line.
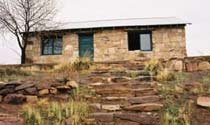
[
  {"x": 139, "y": 33},
  {"x": 54, "y": 38}
]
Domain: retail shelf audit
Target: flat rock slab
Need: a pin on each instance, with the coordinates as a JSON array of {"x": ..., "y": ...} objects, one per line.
[
  {"x": 24, "y": 86},
  {"x": 144, "y": 99},
  {"x": 147, "y": 107},
  {"x": 6, "y": 119},
  {"x": 103, "y": 117},
  {"x": 203, "y": 101},
  {"x": 111, "y": 107},
  {"x": 141, "y": 118}
]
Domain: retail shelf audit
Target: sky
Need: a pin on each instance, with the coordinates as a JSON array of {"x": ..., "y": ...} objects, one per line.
[{"x": 193, "y": 11}]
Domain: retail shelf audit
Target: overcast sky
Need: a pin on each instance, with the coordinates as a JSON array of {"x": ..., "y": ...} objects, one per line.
[{"x": 194, "y": 11}]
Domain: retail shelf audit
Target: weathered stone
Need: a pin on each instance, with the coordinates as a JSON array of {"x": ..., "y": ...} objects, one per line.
[
  {"x": 125, "y": 122},
  {"x": 103, "y": 117},
  {"x": 6, "y": 91},
  {"x": 95, "y": 107},
  {"x": 15, "y": 99},
  {"x": 204, "y": 65},
  {"x": 111, "y": 107},
  {"x": 144, "y": 107},
  {"x": 73, "y": 84},
  {"x": 6, "y": 119},
  {"x": 177, "y": 65},
  {"x": 144, "y": 99},
  {"x": 90, "y": 121},
  {"x": 43, "y": 86},
  {"x": 203, "y": 101},
  {"x": 97, "y": 84},
  {"x": 1, "y": 98},
  {"x": 53, "y": 90},
  {"x": 31, "y": 99},
  {"x": 141, "y": 118},
  {"x": 24, "y": 86},
  {"x": 144, "y": 92},
  {"x": 43, "y": 92},
  {"x": 31, "y": 91}
]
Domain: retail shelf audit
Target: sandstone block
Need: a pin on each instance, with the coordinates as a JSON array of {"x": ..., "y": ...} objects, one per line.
[
  {"x": 203, "y": 101},
  {"x": 141, "y": 118},
  {"x": 204, "y": 65},
  {"x": 103, "y": 117},
  {"x": 43, "y": 92},
  {"x": 147, "y": 107},
  {"x": 31, "y": 99},
  {"x": 24, "y": 86},
  {"x": 73, "y": 84},
  {"x": 144, "y": 99},
  {"x": 111, "y": 107}
]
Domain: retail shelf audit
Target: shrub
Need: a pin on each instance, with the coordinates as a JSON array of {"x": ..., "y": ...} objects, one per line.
[
  {"x": 205, "y": 80},
  {"x": 165, "y": 75},
  {"x": 153, "y": 66},
  {"x": 66, "y": 69}
]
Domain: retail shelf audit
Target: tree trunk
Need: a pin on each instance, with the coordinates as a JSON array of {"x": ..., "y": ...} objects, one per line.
[{"x": 23, "y": 56}]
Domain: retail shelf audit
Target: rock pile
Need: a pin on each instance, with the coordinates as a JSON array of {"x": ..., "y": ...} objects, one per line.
[{"x": 18, "y": 92}]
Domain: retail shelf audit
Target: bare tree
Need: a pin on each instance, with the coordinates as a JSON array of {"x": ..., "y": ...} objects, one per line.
[{"x": 20, "y": 17}]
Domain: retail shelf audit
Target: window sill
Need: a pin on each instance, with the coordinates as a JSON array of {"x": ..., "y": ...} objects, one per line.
[{"x": 52, "y": 55}]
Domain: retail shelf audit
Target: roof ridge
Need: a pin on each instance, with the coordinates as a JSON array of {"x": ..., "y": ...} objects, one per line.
[{"x": 119, "y": 19}]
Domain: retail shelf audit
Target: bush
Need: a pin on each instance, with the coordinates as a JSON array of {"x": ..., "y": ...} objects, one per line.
[
  {"x": 165, "y": 75},
  {"x": 153, "y": 66},
  {"x": 67, "y": 68}
]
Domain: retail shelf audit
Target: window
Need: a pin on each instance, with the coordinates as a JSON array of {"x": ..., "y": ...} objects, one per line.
[
  {"x": 140, "y": 41},
  {"x": 52, "y": 45}
]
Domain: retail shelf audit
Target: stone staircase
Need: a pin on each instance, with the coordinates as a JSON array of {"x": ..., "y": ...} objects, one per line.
[{"x": 122, "y": 100}]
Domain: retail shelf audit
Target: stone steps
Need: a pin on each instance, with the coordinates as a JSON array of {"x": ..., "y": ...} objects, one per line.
[
  {"x": 125, "y": 118},
  {"x": 123, "y": 99}
]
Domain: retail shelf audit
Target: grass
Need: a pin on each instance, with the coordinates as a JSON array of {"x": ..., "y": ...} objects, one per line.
[
  {"x": 50, "y": 112},
  {"x": 67, "y": 69},
  {"x": 46, "y": 112},
  {"x": 165, "y": 75},
  {"x": 153, "y": 66},
  {"x": 12, "y": 74}
]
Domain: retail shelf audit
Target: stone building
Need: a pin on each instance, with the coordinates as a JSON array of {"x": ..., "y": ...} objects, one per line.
[{"x": 110, "y": 40}]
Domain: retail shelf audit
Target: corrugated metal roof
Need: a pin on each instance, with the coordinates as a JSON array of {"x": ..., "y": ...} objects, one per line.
[{"x": 124, "y": 23}]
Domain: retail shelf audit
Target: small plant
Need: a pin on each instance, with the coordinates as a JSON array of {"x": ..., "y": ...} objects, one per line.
[
  {"x": 205, "y": 80},
  {"x": 165, "y": 75},
  {"x": 181, "y": 77},
  {"x": 81, "y": 92},
  {"x": 133, "y": 74},
  {"x": 81, "y": 64},
  {"x": 153, "y": 66},
  {"x": 55, "y": 112}
]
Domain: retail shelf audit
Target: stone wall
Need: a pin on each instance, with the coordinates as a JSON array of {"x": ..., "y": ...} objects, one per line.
[
  {"x": 200, "y": 63},
  {"x": 112, "y": 45}
]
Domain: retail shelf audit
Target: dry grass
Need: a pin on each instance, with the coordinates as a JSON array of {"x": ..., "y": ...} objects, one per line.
[{"x": 12, "y": 74}]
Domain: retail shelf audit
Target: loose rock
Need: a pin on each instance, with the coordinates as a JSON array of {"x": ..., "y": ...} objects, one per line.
[
  {"x": 43, "y": 92},
  {"x": 72, "y": 84},
  {"x": 31, "y": 99},
  {"x": 15, "y": 99},
  {"x": 203, "y": 101}
]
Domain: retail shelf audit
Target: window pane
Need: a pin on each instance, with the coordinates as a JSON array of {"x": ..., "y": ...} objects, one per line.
[
  {"x": 133, "y": 41},
  {"x": 58, "y": 46},
  {"x": 145, "y": 40},
  {"x": 47, "y": 46}
]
